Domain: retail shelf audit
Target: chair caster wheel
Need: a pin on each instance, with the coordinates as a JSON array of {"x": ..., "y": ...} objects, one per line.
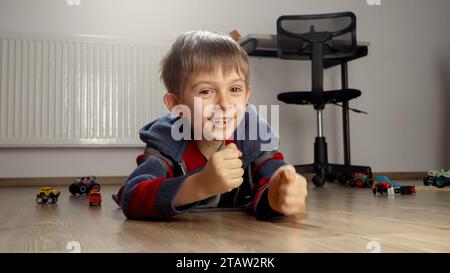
[
  {"x": 318, "y": 181},
  {"x": 343, "y": 178}
]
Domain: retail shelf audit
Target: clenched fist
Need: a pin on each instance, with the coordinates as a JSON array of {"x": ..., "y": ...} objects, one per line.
[
  {"x": 223, "y": 171},
  {"x": 287, "y": 191}
]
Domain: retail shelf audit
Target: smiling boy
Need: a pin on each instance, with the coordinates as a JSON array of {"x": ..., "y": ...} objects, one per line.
[{"x": 215, "y": 167}]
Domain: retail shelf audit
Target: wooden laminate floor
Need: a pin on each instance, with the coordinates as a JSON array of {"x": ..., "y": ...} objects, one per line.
[{"x": 338, "y": 219}]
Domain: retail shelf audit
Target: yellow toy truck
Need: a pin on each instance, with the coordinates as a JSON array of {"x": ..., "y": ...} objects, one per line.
[{"x": 47, "y": 195}]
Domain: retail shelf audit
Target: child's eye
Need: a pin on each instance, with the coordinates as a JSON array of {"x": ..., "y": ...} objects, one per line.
[
  {"x": 236, "y": 89},
  {"x": 205, "y": 92}
]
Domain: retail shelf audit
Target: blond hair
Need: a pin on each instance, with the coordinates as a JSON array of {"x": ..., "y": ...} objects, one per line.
[{"x": 201, "y": 51}]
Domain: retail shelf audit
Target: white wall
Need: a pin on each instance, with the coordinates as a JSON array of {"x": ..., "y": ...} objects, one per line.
[{"x": 405, "y": 80}]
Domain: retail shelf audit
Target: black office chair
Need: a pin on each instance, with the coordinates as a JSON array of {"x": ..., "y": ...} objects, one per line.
[{"x": 328, "y": 40}]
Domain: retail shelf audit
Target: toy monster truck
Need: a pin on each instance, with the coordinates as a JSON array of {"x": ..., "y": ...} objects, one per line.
[
  {"x": 439, "y": 179},
  {"x": 360, "y": 180},
  {"x": 84, "y": 185},
  {"x": 47, "y": 195}
]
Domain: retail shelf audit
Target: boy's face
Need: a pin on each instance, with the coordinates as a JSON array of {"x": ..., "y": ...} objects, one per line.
[{"x": 223, "y": 100}]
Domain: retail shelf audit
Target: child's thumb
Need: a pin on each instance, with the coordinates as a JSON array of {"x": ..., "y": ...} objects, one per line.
[
  {"x": 288, "y": 174},
  {"x": 231, "y": 145}
]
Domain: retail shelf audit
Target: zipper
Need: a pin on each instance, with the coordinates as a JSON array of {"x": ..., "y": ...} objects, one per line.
[{"x": 181, "y": 165}]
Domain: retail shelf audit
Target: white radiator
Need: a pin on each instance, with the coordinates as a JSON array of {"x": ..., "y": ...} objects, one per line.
[{"x": 77, "y": 90}]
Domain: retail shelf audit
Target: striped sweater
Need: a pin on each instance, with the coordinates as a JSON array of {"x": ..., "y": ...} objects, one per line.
[{"x": 149, "y": 191}]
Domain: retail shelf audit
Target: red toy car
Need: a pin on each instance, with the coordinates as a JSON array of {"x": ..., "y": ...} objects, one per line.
[
  {"x": 385, "y": 185},
  {"x": 95, "y": 198},
  {"x": 381, "y": 187}
]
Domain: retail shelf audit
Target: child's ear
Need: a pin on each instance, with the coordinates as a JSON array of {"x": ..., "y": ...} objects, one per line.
[{"x": 171, "y": 100}]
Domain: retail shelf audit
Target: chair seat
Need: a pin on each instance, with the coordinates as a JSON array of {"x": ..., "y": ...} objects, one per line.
[
  {"x": 327, "y": 55},
  {"x": 325, "y": 97}
]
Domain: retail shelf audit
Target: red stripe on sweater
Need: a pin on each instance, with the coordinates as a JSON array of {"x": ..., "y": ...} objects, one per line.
[
  {"x": 263, "y": 184},
  {"x": 228, "y": 141},
  {"x": 276, "y": 155},
  {"x": 143, "y": 197},
  {"x": 192, "y": 157},
  {"x": 140, "y": 158}
]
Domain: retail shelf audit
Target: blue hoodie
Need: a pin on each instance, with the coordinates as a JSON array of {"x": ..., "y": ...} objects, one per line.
[{"x": 149, "y": 191}]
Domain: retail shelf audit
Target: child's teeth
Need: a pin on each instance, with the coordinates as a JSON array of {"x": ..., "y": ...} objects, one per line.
[{"x": 221, "y": 121}]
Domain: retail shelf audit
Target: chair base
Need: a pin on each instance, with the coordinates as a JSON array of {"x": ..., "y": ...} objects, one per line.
[{"x": 329, "y": 172}]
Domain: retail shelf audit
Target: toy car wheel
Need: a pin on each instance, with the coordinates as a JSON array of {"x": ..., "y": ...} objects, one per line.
[
  {"x": 44, "y": 198},
  {"x": 426, "y": 182},
  {"x": 73, "y": 189},
  {"x": 374, "y": 191},
  {"x": 343, "y": 178},
  {"x": 51, "y": 200},
  {"x": 352, "y": 183},
  {"x": 360, "y": 183},
  {"x": 39, "y": 199},
  {"x": 82, "y": 188},
  {"x": 440, "y": 182},
  {"x": 96, "y": 187},
  {"x": 318, "y": 181}
]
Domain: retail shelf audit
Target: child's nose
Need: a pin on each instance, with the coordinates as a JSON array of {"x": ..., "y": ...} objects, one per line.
[{"x": 224, "y": 102}]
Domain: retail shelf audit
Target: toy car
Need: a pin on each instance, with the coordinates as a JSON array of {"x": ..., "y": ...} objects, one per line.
[
  {"x": 83, "y": 185},
  {"x": 95, "y": 198},
  {"x": 439, "y": 179},
  {"x": 381, "y": 188},
  {"x": 360, "y": 180},
  {"x": 385, "y": 185},
  {"x": 47, "y": 195},
  {"x": 405, "y": 189}
]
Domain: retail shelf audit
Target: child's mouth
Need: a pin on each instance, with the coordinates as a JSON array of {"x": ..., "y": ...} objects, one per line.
[{"x": 221, "y": 123}]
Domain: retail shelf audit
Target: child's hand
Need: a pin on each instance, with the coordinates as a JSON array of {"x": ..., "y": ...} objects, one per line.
[
  {"x": 287, "y": 191},
  {"x": 223, "y": 171}
]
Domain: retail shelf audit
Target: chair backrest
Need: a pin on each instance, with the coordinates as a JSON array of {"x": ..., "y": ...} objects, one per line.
[{"x": 297, "y": 33}]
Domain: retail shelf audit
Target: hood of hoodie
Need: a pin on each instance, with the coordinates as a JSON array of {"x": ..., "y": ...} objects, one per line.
[{"x": 253, "y": 136}]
